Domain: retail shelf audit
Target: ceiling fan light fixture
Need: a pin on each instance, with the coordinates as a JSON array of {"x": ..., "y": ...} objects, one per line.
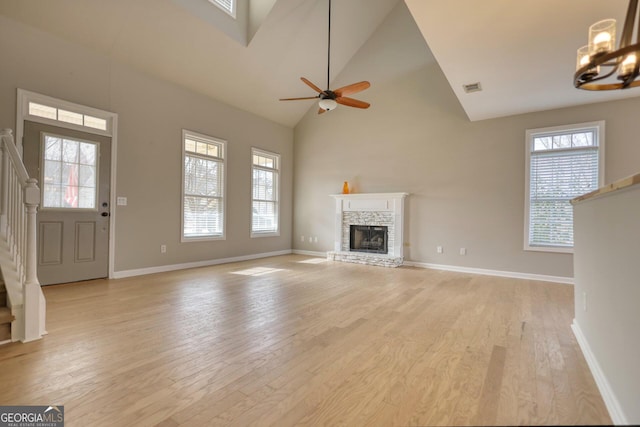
[
  {"x": 329, "y": 99},
  {"x": 600, "y": 64},
  {"x": 328, "y": 104}
]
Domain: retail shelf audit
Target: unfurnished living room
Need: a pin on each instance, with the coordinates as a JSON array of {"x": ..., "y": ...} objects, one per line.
[{"x": 319, "y": 212}]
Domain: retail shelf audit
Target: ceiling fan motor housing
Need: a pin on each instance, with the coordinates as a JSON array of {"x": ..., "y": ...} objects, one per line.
[{"x": 328, "y": 94}]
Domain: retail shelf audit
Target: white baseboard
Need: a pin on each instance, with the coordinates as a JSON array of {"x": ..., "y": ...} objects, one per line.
[
  {"x": 499, "y": 273},
  {"x": 164, "y": 268},
  {"x": 610, "y": 400},
  {"x": 310, "y": 253}
]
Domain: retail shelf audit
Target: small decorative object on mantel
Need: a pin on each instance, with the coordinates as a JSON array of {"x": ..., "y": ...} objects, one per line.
[{"x": 345, "y": 188}]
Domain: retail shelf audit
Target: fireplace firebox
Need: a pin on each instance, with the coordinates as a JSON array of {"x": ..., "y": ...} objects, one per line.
[{"x": 369, "y": 238}]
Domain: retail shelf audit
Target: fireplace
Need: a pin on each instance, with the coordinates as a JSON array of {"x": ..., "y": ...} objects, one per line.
[
  {"x": 368, "y": 238},
  {"x": 369, "y": 229}
]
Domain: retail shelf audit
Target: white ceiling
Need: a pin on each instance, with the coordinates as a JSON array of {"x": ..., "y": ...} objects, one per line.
[{"x": 522, "y": 52}]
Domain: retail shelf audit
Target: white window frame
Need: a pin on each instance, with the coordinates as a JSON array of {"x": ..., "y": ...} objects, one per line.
[
  {"x": 223, "y": 144},
  {"x": 26, "y": 98},
  {"x": 599, "y": 128},
  {"x": 276, "y": 169},
  {"x": 231, "y": 12}
]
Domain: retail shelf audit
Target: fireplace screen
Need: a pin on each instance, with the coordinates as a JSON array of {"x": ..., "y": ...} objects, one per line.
[{"x": 368, "y": 238}]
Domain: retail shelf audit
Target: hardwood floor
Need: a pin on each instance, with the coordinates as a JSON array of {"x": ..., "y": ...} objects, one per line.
[{"x": 294, "y": 340}]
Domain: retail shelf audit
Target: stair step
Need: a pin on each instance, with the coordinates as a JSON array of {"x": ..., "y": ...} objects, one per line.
[
  {"x": 5, "y": 332},
  {"x": 3, "y": 295},
  {"x": 5, "y": 316}
]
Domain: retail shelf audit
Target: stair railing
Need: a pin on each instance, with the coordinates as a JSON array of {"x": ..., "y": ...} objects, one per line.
[{"x": 19, "y": 201}]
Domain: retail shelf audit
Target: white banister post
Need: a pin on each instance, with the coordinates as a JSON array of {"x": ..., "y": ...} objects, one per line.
[
  {"x": 32, "y": 301},
  {"x": 4, "y": 176}
]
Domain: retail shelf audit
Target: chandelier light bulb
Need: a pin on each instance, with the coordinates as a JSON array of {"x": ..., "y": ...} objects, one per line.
[
  {"x": 628, "y": 65},
  {"x": 602, "y": 36}
]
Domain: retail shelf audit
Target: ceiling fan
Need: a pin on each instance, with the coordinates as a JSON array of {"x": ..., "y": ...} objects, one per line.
[{"x": 329, "y": 99}]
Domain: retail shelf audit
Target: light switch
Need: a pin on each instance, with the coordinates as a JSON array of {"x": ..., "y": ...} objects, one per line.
[{"x": 121, "y": 201}]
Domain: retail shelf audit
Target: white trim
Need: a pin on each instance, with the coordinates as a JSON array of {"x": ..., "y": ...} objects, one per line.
[
  {"x": 309, "y": 253},
  {"x": 498, "y": 273},
  {"x": 370, "y": 196},
  {"x": 22, "y": 114},
  {"x": 599, "y": 126},
  {"x": 266, "y": 234},
  {"x": 613, "y": 405},
  {"x": 208, "y": 263}
]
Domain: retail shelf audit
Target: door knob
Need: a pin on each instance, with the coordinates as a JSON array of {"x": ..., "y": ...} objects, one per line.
[{"x": 105, "y": 214}]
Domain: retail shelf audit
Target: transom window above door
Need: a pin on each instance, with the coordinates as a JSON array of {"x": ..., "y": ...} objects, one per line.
[{"x": 69, "y": 173}]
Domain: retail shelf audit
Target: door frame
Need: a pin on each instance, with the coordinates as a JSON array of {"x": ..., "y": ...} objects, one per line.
[{"x": 24, "y": 97}]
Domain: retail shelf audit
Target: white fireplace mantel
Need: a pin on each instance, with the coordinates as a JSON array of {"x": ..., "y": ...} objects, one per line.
[{"x": 369, "y": 209}]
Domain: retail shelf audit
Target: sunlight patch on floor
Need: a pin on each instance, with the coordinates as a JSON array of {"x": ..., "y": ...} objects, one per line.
[
  {"x": 313, "y": 261},
  {"x": 257, "y": 271}
]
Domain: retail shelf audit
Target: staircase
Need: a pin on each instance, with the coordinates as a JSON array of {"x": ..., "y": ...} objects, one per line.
[
  {"x": 5, "y": 316},
  {"x": 22, "y": 303}
]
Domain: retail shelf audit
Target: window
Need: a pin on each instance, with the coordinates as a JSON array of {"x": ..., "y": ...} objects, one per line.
[
  {"x": 264, "y": 189},
  {"x": 60, "y": 115},
  {"x": 203, "y": 190},
  {"x": 228, "y": 6},
  {"x": 70, "y": 171},
  {"x": 562, "y": 163}
]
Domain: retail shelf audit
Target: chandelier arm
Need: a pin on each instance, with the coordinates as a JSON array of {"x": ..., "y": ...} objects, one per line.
[
  {"x": 578, "y": 81},
  {"x": 627, "y": 30},
  {"x": 609, "y": 86}
]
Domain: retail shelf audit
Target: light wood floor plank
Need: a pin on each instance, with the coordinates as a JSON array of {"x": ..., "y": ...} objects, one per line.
[{"x": 293, "y": 340}]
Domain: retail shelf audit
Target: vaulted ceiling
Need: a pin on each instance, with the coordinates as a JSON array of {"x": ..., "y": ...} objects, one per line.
[{"x": 522, "y": 52}]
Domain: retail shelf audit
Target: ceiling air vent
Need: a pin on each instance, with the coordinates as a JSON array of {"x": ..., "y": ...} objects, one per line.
[{"x": 473, "y": 87}]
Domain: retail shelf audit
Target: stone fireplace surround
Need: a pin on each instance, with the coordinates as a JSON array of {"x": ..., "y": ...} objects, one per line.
[{"x": 385, "y": 209}]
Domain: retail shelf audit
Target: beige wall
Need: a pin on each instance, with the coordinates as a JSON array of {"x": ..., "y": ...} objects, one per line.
[
  {"x": 466, "y": 179},
  {"x": 606, "y": 274},
  {"x": 151, "y": 116}
]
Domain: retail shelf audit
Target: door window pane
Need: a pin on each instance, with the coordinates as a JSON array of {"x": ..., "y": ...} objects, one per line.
[{"x": 70, "y": 173}]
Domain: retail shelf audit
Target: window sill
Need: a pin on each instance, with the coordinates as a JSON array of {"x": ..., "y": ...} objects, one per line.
[
  {"x": 202, "y": 239},
  {"x": 265, "y": 234},
  {"x": 555, "y": 249}
]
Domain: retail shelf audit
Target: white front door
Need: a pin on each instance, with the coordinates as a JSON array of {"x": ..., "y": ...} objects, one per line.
[{"x": 73, "y": 172}]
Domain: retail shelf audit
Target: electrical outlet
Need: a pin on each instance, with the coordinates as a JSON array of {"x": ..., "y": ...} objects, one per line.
[
  {"x": 310, "y": 239},
  {"x": 439, "y": 249},
  {"x": 163, "y": 249},
  {"x": 315, "y": 239},
  {"x": 302, "y": 239},
  {"x": 463, "y": 251}
]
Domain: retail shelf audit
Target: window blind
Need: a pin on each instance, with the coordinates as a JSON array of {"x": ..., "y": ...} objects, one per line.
[
  {"x": 226, "y": 5},
  {"x": 556, "y": 177}
]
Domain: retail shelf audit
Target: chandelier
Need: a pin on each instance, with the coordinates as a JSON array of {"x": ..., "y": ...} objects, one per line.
[{"x": 600, "y": 64}]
